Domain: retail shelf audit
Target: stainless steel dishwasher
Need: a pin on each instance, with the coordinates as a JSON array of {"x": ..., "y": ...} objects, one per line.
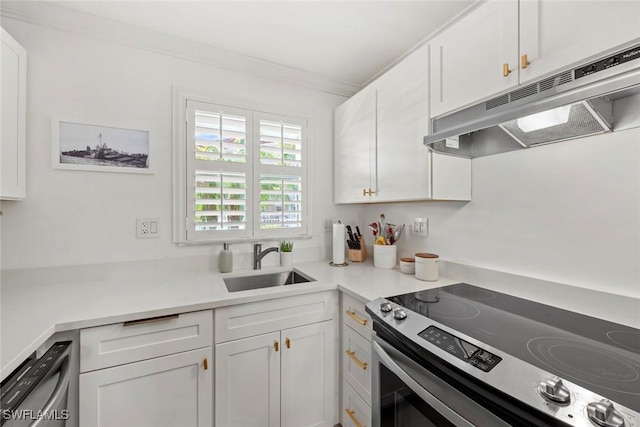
[{"x": 43, "y": 391}]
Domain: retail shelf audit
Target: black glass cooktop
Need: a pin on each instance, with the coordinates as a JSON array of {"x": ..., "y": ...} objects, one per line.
[{"x": 598, "y": 355}]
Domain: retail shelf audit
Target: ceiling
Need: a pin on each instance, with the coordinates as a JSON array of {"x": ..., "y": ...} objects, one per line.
[{"x": 347, "y": 41}]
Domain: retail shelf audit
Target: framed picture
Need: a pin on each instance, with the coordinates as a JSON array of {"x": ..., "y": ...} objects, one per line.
[{"x": 88, "y": 147}]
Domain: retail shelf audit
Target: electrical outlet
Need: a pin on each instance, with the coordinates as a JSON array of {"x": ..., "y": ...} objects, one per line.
[
  {"x": 147, "y": 228},
  {"x": 328, "y": 225}
]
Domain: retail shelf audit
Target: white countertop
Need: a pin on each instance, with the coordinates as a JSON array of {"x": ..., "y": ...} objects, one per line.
[{"x": 36, "y": 304}]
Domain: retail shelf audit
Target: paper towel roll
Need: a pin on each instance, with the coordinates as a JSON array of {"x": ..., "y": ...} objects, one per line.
[{"x": 338, "y": 243}]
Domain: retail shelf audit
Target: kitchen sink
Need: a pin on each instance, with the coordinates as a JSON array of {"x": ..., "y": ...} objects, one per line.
[{"x": 259, "y": 281}]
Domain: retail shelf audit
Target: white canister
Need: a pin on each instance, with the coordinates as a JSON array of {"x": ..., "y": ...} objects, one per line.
[
  {"x": 427, "y": 266},
  {"x": 408, "y": 265},
  {"x": 384, "y": 256}
]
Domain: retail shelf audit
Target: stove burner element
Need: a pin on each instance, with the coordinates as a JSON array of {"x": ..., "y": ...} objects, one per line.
[
  {"x": 627, "y": 339},
  {"x": 591, "y": 363},
  {"x": 477, "y": 294}
]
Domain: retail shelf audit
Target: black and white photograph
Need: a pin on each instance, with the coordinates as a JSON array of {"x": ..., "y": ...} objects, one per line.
[{"x": 100, "y": 148}]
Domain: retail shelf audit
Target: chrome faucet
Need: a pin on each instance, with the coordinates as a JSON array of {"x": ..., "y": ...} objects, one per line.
[{"x": 258, "y": 254}]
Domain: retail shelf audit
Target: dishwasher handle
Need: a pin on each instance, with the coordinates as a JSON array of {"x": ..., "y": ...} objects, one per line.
[{"x": 60, "y": 392}]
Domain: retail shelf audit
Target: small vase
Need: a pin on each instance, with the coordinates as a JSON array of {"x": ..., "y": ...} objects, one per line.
[{"x": 286, "y": 259}]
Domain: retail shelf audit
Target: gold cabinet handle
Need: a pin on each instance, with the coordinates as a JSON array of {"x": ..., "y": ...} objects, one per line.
[
  {"x": 353, "y": 357},
  {"x": 524, "y": 62},
  {"x": 276, "y": 346},
  {"x": 351, "y": 413},
  {"x": 352, "y": 314},
  {"x": 505, "y": 69},
  {"x": 287, "y": 342},
  {"x": 364, "y": 191},
  {"x": 205, "y": 362},
  {"x": 369, "y": 192}
]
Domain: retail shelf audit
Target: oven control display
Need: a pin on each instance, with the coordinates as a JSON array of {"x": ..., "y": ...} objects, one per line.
[{"x": 461, "y": 349}]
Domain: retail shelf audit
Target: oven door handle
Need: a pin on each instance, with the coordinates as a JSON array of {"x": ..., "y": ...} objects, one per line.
[{"x": 429, "y": 398}]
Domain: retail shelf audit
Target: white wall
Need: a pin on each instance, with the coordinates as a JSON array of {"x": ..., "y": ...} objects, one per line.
[
  {"x": 74, "y": 217},
  {"x": 566, "y": 212}
]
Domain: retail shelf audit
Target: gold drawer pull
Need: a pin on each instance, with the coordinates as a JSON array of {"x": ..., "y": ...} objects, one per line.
[
  {"x": 505, "y": 69},
  {"x": 352, "y": 314},
  {"x": 276, "y": 345},
  {"x": 352, "y": 355},
  {"x": 287, "y": 342},
  {"x": 206, "y": 364},
  {"x": 524, "y": 62},
  {"x": 150, "y": 320},
  {"x": 351, "y": 413}
]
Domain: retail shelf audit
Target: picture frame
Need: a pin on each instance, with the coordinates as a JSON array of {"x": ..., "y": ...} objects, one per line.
[{"x": 100, "y": 148}]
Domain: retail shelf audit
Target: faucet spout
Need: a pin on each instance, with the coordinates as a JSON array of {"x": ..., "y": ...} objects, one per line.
[{"x": 258, "y": 254}]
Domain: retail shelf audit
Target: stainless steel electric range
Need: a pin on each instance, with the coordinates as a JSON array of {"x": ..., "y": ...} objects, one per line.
[{"x": 466, "y": 356}]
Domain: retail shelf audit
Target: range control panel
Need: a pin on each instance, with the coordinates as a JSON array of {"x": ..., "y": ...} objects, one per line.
[
  {"x": 461, "y": 349},
  {"x": 609, "y": 62}
]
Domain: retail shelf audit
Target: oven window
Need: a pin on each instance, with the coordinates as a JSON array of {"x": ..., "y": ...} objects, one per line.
[{"x": 401, "y": 407}]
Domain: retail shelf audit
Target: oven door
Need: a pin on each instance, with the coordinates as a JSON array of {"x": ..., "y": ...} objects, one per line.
[{"x": 404, "y": 394}]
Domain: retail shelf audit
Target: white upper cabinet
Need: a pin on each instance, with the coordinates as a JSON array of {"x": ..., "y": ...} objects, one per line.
[
  {"x": 476, "y": 57},
  {"x": 379, "y": 155},
  {"x": 14, "y": 114},
  {"x": 354, "y": 157},
  {"x": 505, "y": 43},
  {"x": 555, "y": 34},
  {"x": 402, "y": 121}
]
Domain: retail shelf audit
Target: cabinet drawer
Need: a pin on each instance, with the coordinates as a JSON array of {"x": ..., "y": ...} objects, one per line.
[
  {"x": 120, "y": 343},
  {"x": 353, "y": 314},
  {"x": 356, "y": 362},
  {"x": 245, "y": 320},
  {"x": 355, "y": 411}
]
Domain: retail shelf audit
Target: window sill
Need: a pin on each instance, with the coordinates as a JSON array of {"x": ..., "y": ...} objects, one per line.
[{"x": 245, "y": 240}]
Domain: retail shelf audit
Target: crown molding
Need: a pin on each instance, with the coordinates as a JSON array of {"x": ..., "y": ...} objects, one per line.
[{"x": 53, "y": 16}]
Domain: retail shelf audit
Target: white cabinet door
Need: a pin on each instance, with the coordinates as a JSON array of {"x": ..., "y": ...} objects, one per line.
[
  {"x": 403, "y": 120},
  {"x": 354, "y": 148},
  {"x": 556, "y": 34},
  {"x": 166, "y": 391},
  {"x": 467, "y": 59},
  {"x": 247, "y": 391},
  {"x": 309, "y": 375},
  {"x": 13, "y": 122}
]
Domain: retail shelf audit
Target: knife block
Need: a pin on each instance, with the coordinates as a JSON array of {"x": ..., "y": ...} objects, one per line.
[{"x": 358, "y": 255}]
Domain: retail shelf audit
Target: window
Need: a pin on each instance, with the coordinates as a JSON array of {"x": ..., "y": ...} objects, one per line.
[{"x": 246, "y": 174}]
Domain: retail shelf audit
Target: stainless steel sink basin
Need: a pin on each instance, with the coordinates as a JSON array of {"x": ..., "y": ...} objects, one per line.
[{"x": 245, "y": 283}]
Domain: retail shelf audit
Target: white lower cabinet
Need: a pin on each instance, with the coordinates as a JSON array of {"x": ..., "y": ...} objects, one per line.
[
  {"x": 307, "y": 375},
  {"x": 169, "y": 391},
  {"x": 267, "y": 375},
  {"x": 282, "y": 378},
  {"x": 154, "y": 372},
  {"x": 357, "y": 411},
  {"x": 356, "y": 363},
  {"x": 248, "y": 382}
]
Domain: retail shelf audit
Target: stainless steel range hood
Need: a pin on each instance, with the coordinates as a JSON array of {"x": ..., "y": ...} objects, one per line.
[{"x": 599, "y": 96}]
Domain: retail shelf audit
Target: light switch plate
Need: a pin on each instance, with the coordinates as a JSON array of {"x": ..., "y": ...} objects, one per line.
[
  {"x": 147, "y": 228},
  {"x": 421, "y": 227}
]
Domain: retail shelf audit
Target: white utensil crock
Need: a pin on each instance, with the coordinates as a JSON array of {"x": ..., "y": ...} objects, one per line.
[{"x": 384, "y": 256}]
